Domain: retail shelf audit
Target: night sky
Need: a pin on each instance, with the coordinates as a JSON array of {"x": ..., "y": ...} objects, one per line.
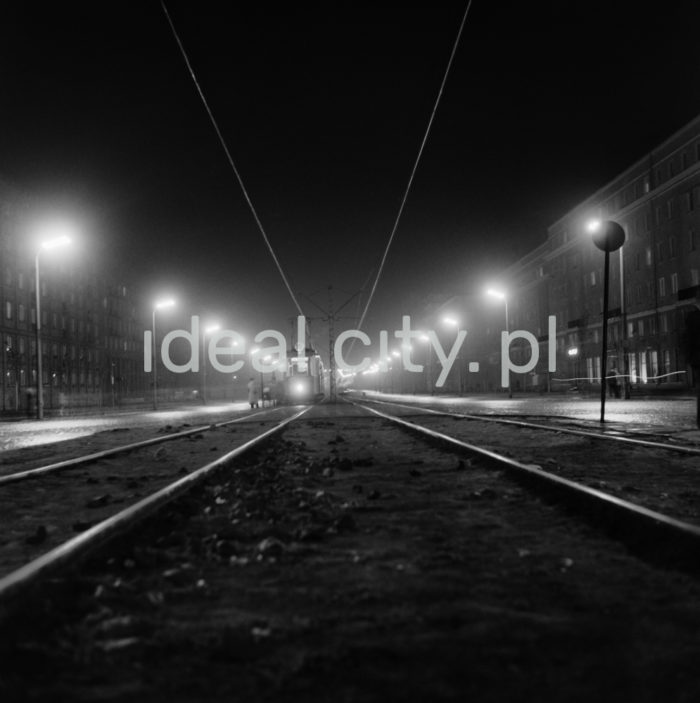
[{"x": 323, "y": 107}]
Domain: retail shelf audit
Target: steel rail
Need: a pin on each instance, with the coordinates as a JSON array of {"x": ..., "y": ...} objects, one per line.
[
  {"x": 114, "y": 451},
  {"x": 27, "y": 576},
  {"x": 534, "y": 425},
  {"x": 657, "y": 535}
]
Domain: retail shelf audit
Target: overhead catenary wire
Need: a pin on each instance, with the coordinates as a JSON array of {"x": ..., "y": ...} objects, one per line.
[
  {"x": 415, "y": 166},
  {"x": 230, "y": 158}
]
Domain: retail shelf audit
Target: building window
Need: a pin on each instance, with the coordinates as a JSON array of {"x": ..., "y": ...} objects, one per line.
[
  {"x": 648, "y": 256},
  {"x": 592, "y": 278},
  {"x": 672, "y": 247},
  {"x": 8, "y": 309},
  {"x": 669, "y": 209},
  {"x": 694, "y": 277},
  {"x": 689, "y": 201},
  {"x": 674, "y": 283},
  {"x": 640, "y": 327},
  {"x": 646, "y": 185},
  {"x": 658, "y": 214},
  {"x": 21, "y": 313},
  {"x": 662, "y": 287},
  {"x": 692, "y": 240},
  {"x": 660, "y": 251},
  {"x": 663, "y": 318}
]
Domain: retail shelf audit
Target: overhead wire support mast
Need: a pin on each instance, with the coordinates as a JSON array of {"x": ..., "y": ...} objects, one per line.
[
  {"x": 230, "y": 158},
  {"x": 415, "y": 167}
]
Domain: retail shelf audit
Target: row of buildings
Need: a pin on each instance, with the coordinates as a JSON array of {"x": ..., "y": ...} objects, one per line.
[
  {"x": 654, "y": 283},
  {"x": 92, "y": 344}
]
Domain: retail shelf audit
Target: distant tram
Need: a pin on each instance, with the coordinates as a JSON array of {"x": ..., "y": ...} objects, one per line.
[{"x": 304, "y": 380}]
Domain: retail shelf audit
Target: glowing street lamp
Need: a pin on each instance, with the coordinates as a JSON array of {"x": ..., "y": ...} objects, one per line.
[
  {"x": 205, "y": 332},
  {"x": 607, "y": 236},
  {"x": 502, "y": 296},
  {"x": 169, "y": 303},
  {"x": 53, "y": 243}
]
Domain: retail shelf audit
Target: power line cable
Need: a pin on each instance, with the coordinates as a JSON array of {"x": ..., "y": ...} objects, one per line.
[
  {"x": 415, "y": 167},
  {"x": 230, "y": 158}
]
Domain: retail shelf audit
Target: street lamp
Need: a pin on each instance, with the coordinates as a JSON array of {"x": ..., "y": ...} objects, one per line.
[
  {"x": 573, "y": 355},
  {"x": 54, "y": 243},
  {"x": 429, "y": 367},
  {"x": 205, "y": 332},
  {"x": 607, "y": 236},
  {"x": 454, "y": 322},
  {"x": 254, "y": 351},
  {"x": 158, "y": 306},
  {"x": 502, "y": 296}
]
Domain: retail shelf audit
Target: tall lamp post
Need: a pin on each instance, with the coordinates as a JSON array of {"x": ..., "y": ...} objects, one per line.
[
  {"x": 253, "y": 352},
  {"x": 205, "y": 332},
  {"x": 158, "y": 306},
  {"x": 50, "y": 244},
  {"x": 607, "y": 236},
  {"x": 429, "y": 365},
  {"x": 453, "y": 322},
  {"x": 502, "y": 296}
]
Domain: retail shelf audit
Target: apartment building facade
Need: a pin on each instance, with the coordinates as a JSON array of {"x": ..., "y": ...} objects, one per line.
[
  {"x": 654, "y": 278},
  {"x": 90, "y": 332}
]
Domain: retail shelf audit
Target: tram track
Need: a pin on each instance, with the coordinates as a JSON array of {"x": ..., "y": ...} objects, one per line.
[
  {"x": 87, "y": 502},
  {"x": 655, "y": 522},
  {"x": 33, "y": 523},
  {"x": 93, "y": 457},
  {"x": 602, "y": 434},
  {"x": 350, "y": 536}
]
